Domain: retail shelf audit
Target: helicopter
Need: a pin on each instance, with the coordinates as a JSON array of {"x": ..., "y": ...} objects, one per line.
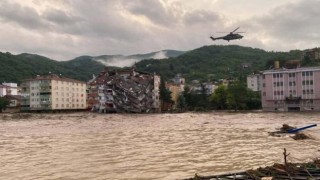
[{"x": 231, "y": 36}]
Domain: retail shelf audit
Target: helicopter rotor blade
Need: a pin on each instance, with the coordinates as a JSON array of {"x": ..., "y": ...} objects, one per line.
[{"x": 235, "y": 30}]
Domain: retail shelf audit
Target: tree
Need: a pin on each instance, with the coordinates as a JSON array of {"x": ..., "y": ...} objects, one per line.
[
  {"x": 187, "y": 96},
  {"x": 237, "y": 96},
  {"x": 201, "y": 98},
  {"x": 3, "y": 104},
  {"x": 165, "y": 94},
  {"x": 254, "y": 99},
  {"x": 219, "y": 98},
  {"x": 181, "y": 104}
]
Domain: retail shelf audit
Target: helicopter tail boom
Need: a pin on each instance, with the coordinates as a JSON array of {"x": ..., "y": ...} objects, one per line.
[{"x": 213, "y": 39}]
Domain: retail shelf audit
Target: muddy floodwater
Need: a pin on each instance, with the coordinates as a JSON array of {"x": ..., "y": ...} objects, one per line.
[{"x": 83, "y": 146}]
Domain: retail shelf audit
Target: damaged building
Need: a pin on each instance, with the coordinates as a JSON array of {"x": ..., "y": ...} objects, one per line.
[{"x": 124, "y": 91}]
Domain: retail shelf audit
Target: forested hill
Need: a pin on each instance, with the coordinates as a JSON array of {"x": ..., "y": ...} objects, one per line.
[
  {"x": 16, "y": 68},
  {"x": 216, "y": 62}
]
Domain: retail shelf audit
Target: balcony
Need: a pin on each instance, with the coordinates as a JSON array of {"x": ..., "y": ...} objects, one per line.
[
  {"x": 46, "y": 102},
  {"x": 293, "y": 98},
  {"x": 44, "y": 89}
]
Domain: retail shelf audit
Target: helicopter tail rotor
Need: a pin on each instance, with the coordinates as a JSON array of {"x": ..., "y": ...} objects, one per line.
[{"x": 213, "y": 39}]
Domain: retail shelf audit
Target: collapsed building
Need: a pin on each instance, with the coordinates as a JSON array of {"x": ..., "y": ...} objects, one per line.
[{"x": 124, "y": 91}]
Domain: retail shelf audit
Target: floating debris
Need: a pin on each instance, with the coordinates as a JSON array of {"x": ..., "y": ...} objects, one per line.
[
  {"x": 300, "y": 136},
  {"x": 287, "y": 129},
  {"x": 293, "y": 171}
]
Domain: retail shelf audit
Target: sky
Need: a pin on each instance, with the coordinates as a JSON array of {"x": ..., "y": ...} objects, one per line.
[{"x": 65, "y": 29}]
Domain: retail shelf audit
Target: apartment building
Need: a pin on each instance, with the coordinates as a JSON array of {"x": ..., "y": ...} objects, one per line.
[
  {"x": 254, "y": 82},
  {"x": 53, "y": 92},
  {"x": 291, "y": 89}
]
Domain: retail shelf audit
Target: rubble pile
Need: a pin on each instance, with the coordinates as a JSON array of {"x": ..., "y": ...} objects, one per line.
[
  {"x": 124, "y": 91},
  {"x": 133, "y": 94}
]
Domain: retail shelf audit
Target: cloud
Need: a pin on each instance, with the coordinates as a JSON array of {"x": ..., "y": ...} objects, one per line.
[
  {"x": 60, "y": 17},
  {"x": 63, "y": 29},
  {"x": 290, "y": 26},
  {"x": 154, "y": 11},
  {"x": 14, "y": 13},
  {"x": 118, "y": 62},
  {"x": 201, "y": 17},
  {"x": 159, "y": 55}
]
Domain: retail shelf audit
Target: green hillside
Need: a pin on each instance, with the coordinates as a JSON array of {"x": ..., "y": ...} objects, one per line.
[
  {"x": 208, "y": 62},
  {"x": 216, "y": 62},
  {"x": 15, "y": 68}
]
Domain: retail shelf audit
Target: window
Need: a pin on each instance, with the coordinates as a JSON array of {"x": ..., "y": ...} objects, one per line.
[
  {"x": 307, "y": 82},
  {"x": 307, "y": 73},
  {"x": 278, "y": 83},
  {"x": 292, "y": 83},
  {"x": 292, "y": 75},
  {"x": 292, "y": 92}
]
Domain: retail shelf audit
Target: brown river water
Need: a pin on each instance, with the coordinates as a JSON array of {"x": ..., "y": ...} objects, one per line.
[{"x": 83, "y": 146}]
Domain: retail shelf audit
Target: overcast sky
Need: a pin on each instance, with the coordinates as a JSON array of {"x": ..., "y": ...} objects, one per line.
[{"x": 65, "y": 29}]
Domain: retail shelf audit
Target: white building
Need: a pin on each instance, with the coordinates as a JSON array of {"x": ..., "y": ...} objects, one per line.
[
  {"x": 254, "y": 82},
  {"x": 8, "y": 89}
]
